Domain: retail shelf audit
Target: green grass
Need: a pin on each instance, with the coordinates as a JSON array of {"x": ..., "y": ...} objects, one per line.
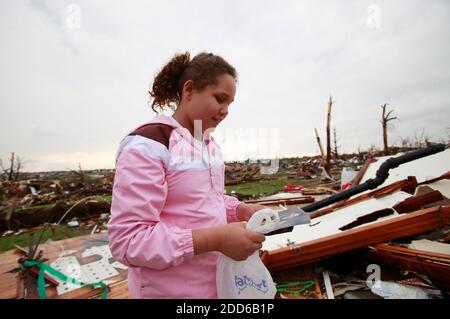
[
  {"x": 22, "y": 208},
  {"x": 265, "y": 187},
  {"x": 107, "y": 197},
  {"x": 42, "y": 206},
  {"x": 61, "y": 232}
]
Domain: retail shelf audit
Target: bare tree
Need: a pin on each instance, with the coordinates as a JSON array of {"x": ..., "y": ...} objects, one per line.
[
  {"x": 16, "y": 163},
  {"x": 336, "y": 155},
  {"x": 17, "y": 167},
  {"x": 80, "y": 174},
  {"x": 327, "y": 165},
  {"x": 405, "y": 142},
  {"x": 11, "y": 168},
  {"x": 385, "y": 119},
  {"x": 320, "y": 145},
  {"x": 420, "y": 139}
]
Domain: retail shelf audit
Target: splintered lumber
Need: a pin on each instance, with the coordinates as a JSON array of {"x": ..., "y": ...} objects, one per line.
[
  {"x": 443, "y": 258},
  {"x": 439, "y": 273},
  {"x": 14, "y": 285},
  {"x": 407, "y": 185},
  {"x": 413, "y": 203},
  {"x": 405, "y": 225},
  {"x": 320, "y": 145}
]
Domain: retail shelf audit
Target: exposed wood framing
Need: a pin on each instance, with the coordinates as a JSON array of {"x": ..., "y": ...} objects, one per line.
[
  {"x": 413, "y": 203},
  {"x": 408, "y": 185},
  {"x": 405, "y": 225},
  {"x": 361, "y": 172},
  {"x": 438, "y": 273},
  {"x": 14, "y": 285},
  {"x": 443, "y": 176},
  {"x": 320, "y": 145},
  {"x": 444, "y": 258},
  {"x": 368, "y": 218}
]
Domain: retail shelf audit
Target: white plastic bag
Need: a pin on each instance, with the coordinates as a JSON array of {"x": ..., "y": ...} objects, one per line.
[
  {"x": 248, "y": 279},
  {"x": 393, "y": 290}
]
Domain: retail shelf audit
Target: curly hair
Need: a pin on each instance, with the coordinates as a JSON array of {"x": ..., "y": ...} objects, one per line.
[{"x": 203, "y": 70}]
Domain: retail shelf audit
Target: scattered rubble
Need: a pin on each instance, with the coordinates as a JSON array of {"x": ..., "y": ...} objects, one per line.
[
  {"x": 391, "y": 242},
  {"x": 46, "y": 197},
  {"x": 399, "y": 231}
]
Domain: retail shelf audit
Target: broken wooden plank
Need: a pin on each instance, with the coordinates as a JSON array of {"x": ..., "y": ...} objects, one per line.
[
  {"x": 35, "y": 272},
  {"x": 408, "y": 185},
  {"x": 431, "y": 246},
  {"x": 416, "y": 202},
  {"x": 413, "y": 252},
  {"x": 361, "y": 172},
  {"x": 52, "y": 251},
  {"x": 10, "y": 289},
  {"x": 368, "y": 218},
  {"x": 405, "y": 225},
  {"x": 437, "y": 272},
  {"x": 430, "y": 181}
]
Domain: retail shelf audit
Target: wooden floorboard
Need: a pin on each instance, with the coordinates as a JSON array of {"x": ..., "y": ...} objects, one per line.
[{"x": 10, "y": 282}]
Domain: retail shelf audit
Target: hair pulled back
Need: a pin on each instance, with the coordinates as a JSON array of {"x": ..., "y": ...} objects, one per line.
[{"x": 203, "y": 70}]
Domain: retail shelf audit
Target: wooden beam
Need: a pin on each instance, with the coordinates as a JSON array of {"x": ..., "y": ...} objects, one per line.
[
  {"x": 437, "y": 272},
  {"x": 407, "y": 185},
  {"x": 414, "y": 203},
  {"x": 355, "y": 181},
  {"x": 320, "y": 145},
  {"x": 443, "y": 176},
  {"x": 402, "y": 226},
  {"x": 413, "y": 252}
]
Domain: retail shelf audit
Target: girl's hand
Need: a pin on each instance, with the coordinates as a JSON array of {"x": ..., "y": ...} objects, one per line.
[
  {"x": 238, "y": 243},
  {"x": 245, "y": 211},
  {"x": 233, "y": 240}
]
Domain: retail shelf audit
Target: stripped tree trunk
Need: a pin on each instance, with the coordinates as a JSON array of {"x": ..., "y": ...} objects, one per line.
[
  {"x": 336, "y": 155},
  {"x": 320, "y": 145},
  {"x": 327, "y": 165},
  {"x": 11, "y": 169},
  {"x": 385, "y": 118}
]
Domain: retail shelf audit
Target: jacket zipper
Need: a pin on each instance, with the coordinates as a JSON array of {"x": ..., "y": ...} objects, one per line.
[{"x": 209, "y": 165}]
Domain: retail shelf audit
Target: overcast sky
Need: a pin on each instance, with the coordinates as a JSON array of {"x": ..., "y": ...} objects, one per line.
[{"x": 75, "y": 74}]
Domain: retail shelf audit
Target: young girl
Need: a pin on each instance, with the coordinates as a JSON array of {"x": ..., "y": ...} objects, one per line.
[{"x": 170, "y": 216}]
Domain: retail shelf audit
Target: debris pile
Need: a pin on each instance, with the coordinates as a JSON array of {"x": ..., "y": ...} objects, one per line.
[
  {"x": 391, "y": 242},
  {"x": 32, "y": 202}
]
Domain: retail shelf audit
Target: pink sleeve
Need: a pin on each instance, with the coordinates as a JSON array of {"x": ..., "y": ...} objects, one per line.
[
  {"x": 231, "y": 203},
  {"x": 136, "y": 235}
]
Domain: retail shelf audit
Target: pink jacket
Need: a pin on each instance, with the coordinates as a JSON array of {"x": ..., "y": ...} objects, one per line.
[{"x": 164, "y": 188}]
